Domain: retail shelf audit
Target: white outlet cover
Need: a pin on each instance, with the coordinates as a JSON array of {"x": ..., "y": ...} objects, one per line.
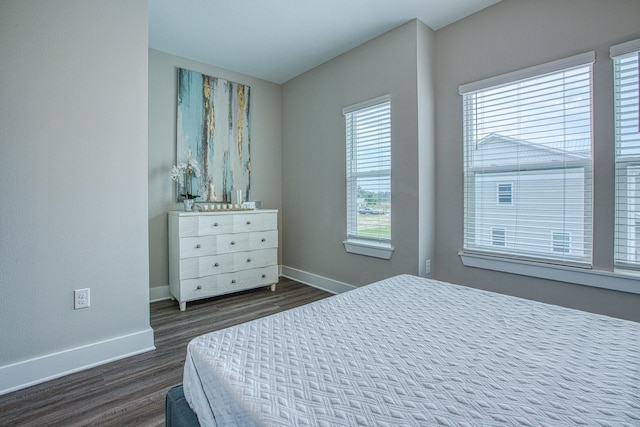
[{"x": 81, "y": 298}]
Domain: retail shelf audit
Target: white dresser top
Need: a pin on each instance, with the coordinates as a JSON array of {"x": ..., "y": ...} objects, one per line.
[{"x": 223, "y": 212}]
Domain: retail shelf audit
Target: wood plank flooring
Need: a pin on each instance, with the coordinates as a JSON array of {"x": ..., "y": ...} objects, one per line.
[{"x": 131, "y": 392}]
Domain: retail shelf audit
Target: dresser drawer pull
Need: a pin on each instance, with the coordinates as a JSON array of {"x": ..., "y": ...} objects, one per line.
[
  {"x": 198, "y": 287},
  {"x": 264, "y": 275},
  {"x": 248, "y": 222},
  {"x": 198, "y": 246},
  {"x": 233, "y": 243},
  {"x": 215, "y": 224},
  {"x": 216, "y": 264},
  {"x": 233, "y": 281},
  {"x": 248, "y": 259},
  {"x": 263, "y": 240}
]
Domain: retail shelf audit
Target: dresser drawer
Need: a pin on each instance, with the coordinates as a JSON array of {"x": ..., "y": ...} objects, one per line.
[
  {"x": 192, "y": 289},
  {"x": 255, "y": 259},
  {"x": 264, "y": 239},
  {"x": 185, "y": 225},
  {"x": 205, "y": 225},
  {"x": 247, "y": 223},
  {"x": 227, "y": 243},
  {"x": 206, "y": 265},
  {"x": 215, "y": 224},
  {"x": 233, "y": 243},
  {"x": 195, "y": 267},
  {"x": 247, "y": 279},
  {"x": 198, "y": 246}
]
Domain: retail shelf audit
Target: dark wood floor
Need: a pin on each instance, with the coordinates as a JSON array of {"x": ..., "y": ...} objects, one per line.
[{"x": 132, "y": 391}]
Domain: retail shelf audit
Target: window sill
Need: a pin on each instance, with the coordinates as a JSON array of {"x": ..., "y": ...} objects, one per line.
[
  {"x": 369, "y": 248},
  {"x": 618, "y": 281}
]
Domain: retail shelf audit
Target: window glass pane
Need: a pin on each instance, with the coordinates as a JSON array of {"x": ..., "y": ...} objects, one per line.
[
  {"x": 498, "y": 236},
  {"x": 530, "y": 141},
  {"x": 627, "y": 141},
  {"x": 505, "y": 194},
  {"x": 368, "y": 133},
  {"x": 561, "y": 242}
]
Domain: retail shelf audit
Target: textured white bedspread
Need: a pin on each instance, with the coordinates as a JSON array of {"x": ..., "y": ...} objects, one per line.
[{"x": 414, "y": 351}]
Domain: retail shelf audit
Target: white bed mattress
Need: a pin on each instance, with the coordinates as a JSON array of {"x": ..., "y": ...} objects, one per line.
[{"x": 414, "y": 351}]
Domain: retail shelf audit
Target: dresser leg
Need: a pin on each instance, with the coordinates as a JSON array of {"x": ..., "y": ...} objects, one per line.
[
  {"x": 273, "y": 287},
  {"x": 183, "y": 306}
]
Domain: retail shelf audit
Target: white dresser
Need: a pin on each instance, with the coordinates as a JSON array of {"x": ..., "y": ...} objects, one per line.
[{"x": 218, "y": 253}]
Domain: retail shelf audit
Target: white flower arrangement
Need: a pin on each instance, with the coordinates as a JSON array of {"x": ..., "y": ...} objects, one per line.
[{"x": 187, "y": 171}]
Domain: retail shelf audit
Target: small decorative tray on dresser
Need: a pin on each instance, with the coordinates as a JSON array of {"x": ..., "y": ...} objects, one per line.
[
  {"x": 220, "y": 252},
  {"x": 221, "y": 207}
]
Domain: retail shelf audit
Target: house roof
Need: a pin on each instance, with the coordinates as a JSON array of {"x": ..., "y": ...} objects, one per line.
[{"x": 496, "y": 150}]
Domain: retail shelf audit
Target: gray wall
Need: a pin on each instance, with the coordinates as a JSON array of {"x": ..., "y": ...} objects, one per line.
[
  {"x": 73, "y": 176},
  {"x": 398, "y": 63},
  {"x": 266, "y": 147},
  {"x": 508, "y": 36},
  {"x": 426, "y": 146}
]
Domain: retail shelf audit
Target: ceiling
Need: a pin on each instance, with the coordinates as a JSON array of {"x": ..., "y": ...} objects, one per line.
[{"x": 277, "y": 40}]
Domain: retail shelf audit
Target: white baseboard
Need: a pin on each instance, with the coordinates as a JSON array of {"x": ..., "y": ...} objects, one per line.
[
  {"x": 38, "y": 370},
  {"x": 159, "y": 293},
  {"x": 316, "y": 281}
]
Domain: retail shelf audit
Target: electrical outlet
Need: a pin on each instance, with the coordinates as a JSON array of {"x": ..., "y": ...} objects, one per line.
[
  {"x": 81, "y": 298},
  {"x": 427, "y": 267}
]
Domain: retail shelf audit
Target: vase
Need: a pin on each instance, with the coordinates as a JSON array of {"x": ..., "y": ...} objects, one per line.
[{"x": 188, "y": 205}]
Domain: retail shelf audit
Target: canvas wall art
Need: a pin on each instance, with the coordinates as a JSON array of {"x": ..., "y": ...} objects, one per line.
[{"x": 214, "y": 124}]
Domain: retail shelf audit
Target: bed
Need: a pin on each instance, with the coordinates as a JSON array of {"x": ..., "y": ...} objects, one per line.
[{"x": 414, "y": 351}]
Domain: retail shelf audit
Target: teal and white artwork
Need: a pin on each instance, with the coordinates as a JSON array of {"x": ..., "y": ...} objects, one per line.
[{"x": 214, "y": 123}]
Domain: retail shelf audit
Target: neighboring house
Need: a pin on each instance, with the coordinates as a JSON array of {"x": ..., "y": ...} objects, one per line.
[
  {"x": 542, "y": 198},
  {"x": 629, "y": 225}
]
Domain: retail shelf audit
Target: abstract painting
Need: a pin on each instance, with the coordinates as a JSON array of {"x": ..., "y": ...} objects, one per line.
[{"x": 214, "y": 125}]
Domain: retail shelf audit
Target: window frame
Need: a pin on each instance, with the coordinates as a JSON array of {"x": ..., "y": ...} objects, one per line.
[
  {"x": 626, "y": 255},
  {"x": 357, "y": 243},
  {"x": 584, "y": 168},
  {"x": 610, "y": 278}
]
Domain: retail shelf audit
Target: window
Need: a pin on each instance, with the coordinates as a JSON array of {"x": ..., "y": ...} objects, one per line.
[
  {"x": 498, "y": 236},
  {"x": 505, "y": 194},
  {"x": 561, "y": 242},
  {"x": 368, "y": 137},
  {"x": 531, "y": 128},
  {"x": 626, "y": 74}
]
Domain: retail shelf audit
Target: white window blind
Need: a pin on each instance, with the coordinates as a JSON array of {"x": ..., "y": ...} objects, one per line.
[
  {"x": 368, "y": 135},
  {"x": 534, "y": 131},
  {"x": 626, "y": 73}
]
